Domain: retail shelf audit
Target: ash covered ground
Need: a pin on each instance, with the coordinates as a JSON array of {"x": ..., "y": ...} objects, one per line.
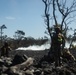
[{"x": 46, "y": 68}]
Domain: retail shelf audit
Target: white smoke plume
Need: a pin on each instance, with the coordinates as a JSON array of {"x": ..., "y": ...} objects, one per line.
[{"x": 36, "y": 47}]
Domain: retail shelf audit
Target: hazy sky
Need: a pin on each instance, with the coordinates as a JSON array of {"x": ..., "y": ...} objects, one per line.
[{"x": 25, "y": 15}]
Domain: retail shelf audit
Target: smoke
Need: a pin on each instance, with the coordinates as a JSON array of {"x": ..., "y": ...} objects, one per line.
[{"x": 36, "y": 47}]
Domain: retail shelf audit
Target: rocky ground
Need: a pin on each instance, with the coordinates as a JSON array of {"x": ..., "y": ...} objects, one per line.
[{"x": 45, "y": 68}]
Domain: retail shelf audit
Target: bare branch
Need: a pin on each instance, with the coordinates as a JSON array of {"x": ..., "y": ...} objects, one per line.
[
  {"x": 61, "y": 11},
  {"x": 47, "y": 16},
  {"x": 71, "y": 17}
]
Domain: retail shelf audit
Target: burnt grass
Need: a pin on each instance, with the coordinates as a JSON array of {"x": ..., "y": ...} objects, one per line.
[{"x": 36, "y": 54}]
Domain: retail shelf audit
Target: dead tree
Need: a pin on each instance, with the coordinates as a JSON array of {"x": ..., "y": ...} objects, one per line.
[
  {"x": 1, "y": 32},
  {"x": 61, "y": 12}
]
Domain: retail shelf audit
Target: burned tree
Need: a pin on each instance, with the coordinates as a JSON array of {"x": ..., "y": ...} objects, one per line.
[
  {"x": 58, "y": 13},
  {"x": 1, "y": 32},
  {"x": 19, "y": 35}
]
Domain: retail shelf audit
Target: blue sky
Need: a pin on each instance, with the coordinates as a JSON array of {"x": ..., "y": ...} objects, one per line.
[{"x": 25, "y": 15}]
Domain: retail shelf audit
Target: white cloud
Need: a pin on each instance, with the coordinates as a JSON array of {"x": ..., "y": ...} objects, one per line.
[{"x": 10, "y": 18}]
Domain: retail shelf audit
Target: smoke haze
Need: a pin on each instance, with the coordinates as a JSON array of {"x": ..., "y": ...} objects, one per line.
[{"x": 36, "y": 47}]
